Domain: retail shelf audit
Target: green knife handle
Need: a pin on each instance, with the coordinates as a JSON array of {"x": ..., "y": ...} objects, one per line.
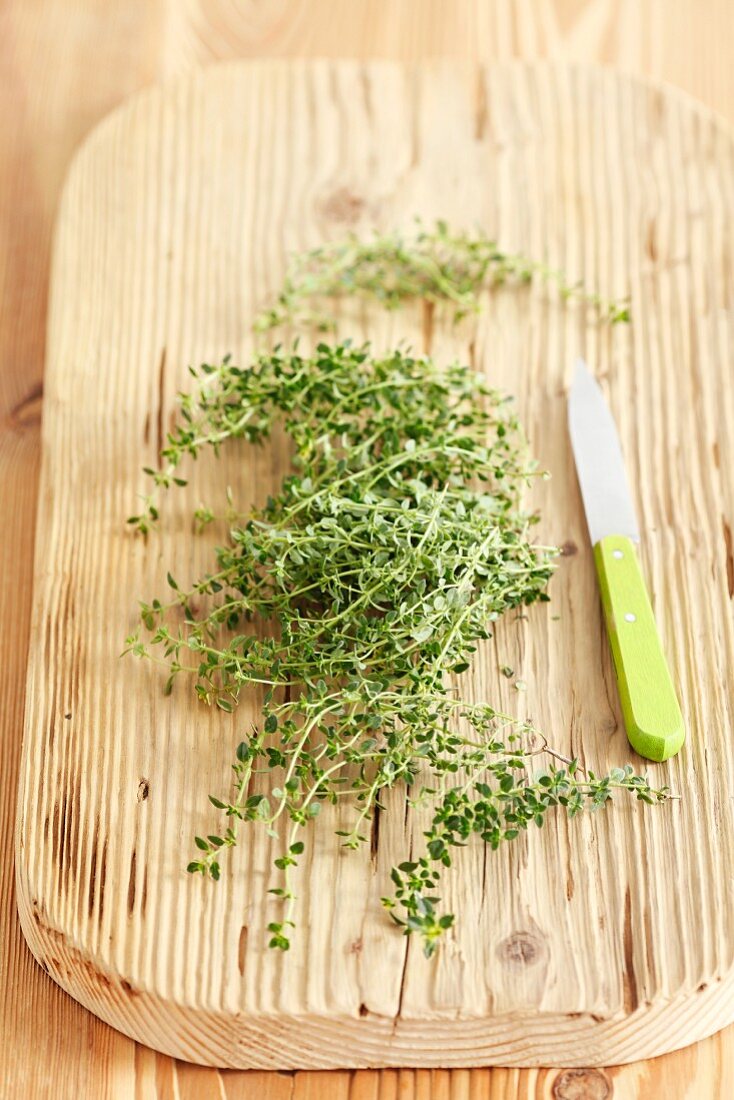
[{"x": 652, "y": 716}]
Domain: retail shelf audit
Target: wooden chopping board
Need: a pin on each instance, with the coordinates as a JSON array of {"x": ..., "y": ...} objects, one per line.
[{"x": 601, "y": 940}]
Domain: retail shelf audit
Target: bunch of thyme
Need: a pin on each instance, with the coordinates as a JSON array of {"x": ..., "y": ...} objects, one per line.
[
  {"x": 429, "y": 265},
  {"x": 353, "y": 595}
]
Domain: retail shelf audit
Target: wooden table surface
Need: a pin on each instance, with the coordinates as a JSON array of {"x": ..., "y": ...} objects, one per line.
[{"x": 63, "y": 65}]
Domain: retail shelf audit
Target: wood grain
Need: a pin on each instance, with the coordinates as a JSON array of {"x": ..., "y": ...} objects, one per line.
[
  {"x": 602, "y": 941},
  {"x": 63, "y": 66}
]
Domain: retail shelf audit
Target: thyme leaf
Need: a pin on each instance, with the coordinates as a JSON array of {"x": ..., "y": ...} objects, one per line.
[
  {"x": 353, "y": 596},
  {"x": 434, "y": 265}
]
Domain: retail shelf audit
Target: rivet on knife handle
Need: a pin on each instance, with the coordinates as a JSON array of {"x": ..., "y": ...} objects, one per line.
[{"x": 652, "y": 716}]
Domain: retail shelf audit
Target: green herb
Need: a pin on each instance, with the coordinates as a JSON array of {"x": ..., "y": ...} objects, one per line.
[
  {"x": 429, "y": 265},
  {"x": 353, "y": 595}
]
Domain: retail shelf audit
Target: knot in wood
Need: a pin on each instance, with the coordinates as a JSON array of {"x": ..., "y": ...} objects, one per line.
[
  {"x": 343, "y": 206},
  {"x": 520, "y": 949},
  {"x": 582, "y": 1084},
  {"x": 26, "y": 413}
]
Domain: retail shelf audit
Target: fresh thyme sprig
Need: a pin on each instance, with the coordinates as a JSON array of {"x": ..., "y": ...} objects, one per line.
[
  {"x": 430, "y": 265},
  {"x": 354, "y": 595}
]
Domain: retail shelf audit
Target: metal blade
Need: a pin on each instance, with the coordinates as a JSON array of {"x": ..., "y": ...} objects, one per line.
[{"x": 599, "y": 463}]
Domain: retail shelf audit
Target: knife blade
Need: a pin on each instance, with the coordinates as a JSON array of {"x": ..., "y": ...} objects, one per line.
[{"x": 650, "y": 708}]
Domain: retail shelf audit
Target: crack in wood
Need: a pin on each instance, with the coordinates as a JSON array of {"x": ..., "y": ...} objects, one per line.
[
  {"x": 631, "y": 998},
  {"x": 729, "y": 550},
  {"x": 161, "y": 398},
  {"x": 428, "y": 314},
  {"x": 93, "y": 870},
  {"x": 401, "y": 992},
  {"x": 375, "y": 833},
  {"x": 131, "y": 884},
  {"x": 242, "y": 949}
]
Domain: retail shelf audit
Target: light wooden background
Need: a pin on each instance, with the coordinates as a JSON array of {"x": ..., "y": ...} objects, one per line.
[{"x": 64, "y": 64}]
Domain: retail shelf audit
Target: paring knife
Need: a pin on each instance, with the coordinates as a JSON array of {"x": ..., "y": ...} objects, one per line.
[{"x": 652, "y": 715}]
